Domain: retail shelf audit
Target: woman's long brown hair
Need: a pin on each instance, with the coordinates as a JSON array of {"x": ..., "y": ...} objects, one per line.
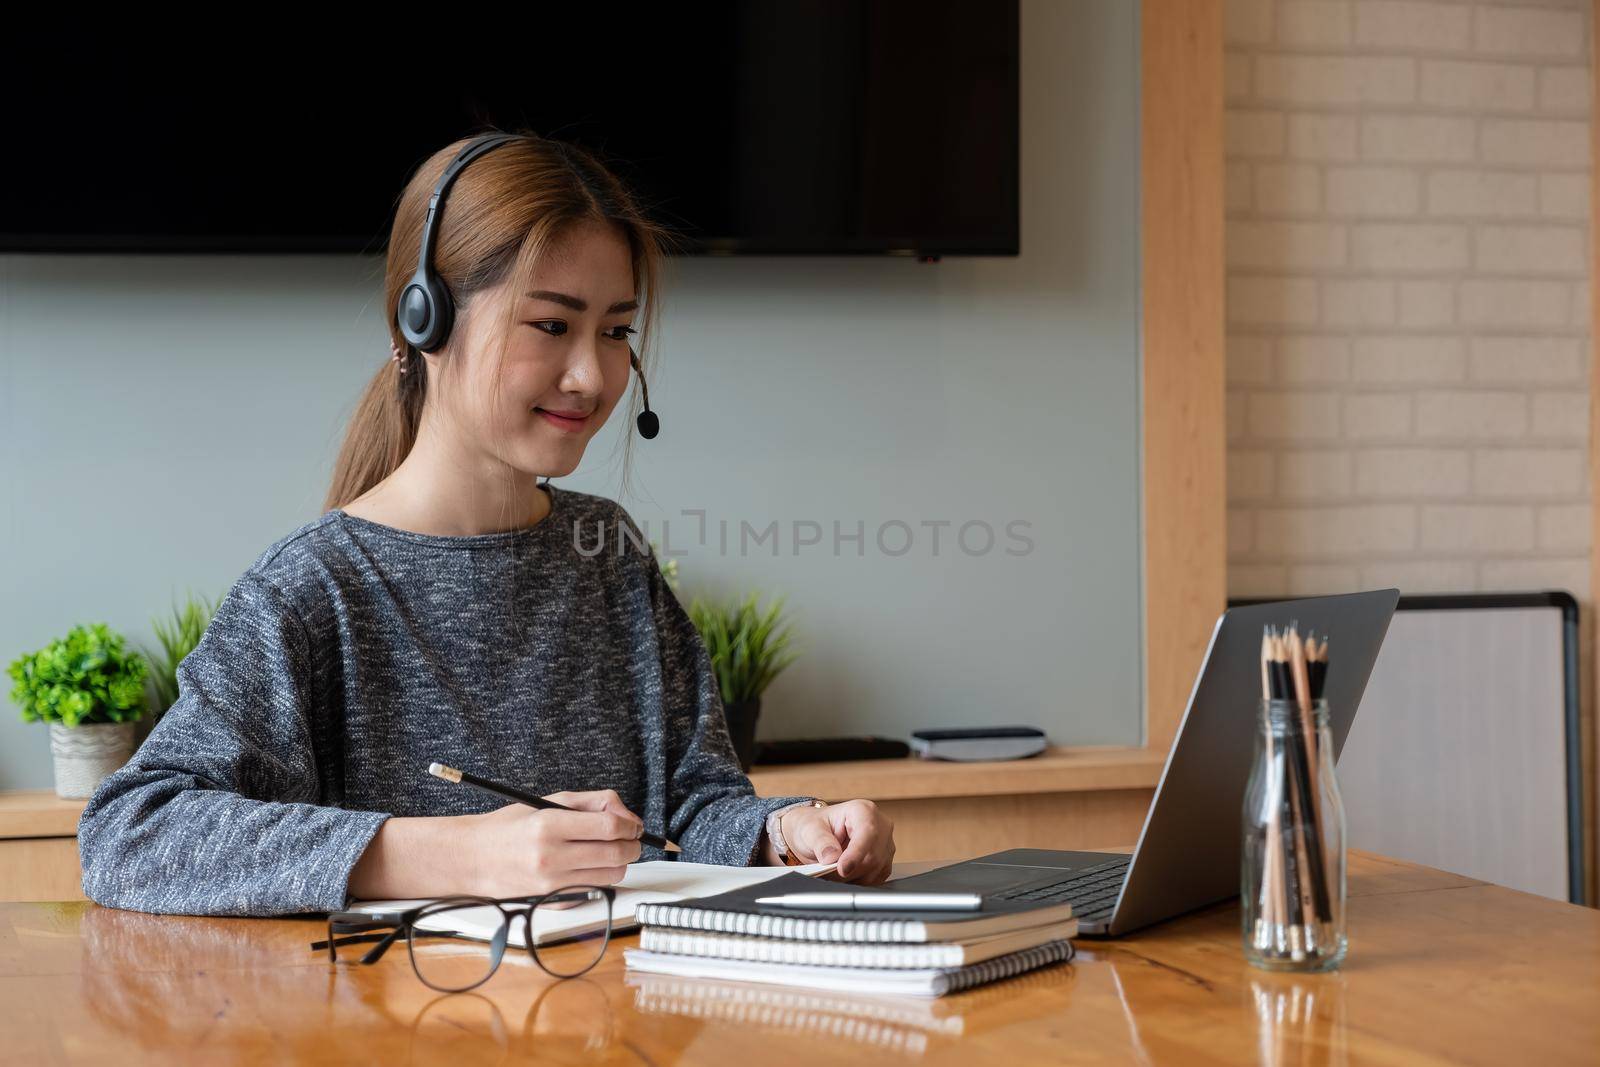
[{"x": 503, "y": 212}]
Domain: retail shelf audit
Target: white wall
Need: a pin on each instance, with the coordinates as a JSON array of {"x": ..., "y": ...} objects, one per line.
[{"x": 165, "y": 418}]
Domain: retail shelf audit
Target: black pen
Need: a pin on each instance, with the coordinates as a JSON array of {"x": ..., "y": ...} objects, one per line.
[{"x": 450, "y": 774}]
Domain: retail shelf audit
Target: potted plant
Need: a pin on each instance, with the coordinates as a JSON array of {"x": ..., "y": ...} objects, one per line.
[
  {"x": 91, "y": 692},
  {"x": 749, "y": 647},
  {"x": 178, "y": 634}
]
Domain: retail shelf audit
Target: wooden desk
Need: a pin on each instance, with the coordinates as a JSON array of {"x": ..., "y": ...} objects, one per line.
[{"x": 1442, "y": 969}]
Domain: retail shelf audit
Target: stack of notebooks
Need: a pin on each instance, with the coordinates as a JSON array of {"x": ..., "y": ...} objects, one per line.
[{"x": 916, "y": 953}]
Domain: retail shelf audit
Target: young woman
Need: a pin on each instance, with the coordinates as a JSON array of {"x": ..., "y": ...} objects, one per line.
[{"x": 450, "y": 607}]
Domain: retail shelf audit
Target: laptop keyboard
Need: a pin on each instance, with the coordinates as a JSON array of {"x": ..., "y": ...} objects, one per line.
[{"x": 1092, "y": 892}]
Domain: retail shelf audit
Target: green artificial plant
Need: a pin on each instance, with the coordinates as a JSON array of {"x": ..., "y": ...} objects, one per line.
[
  {"x": 82, "y": 679},
  {"x": 749, "y": 645},
  {"x": 178, "y": 635}
]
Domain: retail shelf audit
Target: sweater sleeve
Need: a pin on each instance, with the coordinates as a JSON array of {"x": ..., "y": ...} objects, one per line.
[
  {"x": 713, "y": 812},
  {"x": 217, "y": 812}
]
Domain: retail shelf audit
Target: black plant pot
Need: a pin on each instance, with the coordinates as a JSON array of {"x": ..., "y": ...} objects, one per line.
[{"x": 742, "y": 716}]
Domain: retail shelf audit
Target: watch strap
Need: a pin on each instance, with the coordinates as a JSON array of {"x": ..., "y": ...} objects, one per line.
[{"x": 775, "y": 830}]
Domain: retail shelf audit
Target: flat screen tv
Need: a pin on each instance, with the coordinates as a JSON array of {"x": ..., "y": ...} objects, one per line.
[{"x": 748, "y": 126}]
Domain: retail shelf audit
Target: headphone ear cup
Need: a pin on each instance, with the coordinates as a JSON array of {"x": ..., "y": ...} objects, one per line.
[{"x": 425, "y": 313}]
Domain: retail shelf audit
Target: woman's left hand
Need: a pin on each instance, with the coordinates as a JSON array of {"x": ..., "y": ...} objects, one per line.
[{"x": 855, "y": 833}]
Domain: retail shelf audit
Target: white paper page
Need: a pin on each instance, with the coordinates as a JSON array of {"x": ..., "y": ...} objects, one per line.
[{"x": 653, "y": 881}]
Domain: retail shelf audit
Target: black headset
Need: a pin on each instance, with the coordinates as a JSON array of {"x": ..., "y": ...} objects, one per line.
[{"x": 426, "y": 313}]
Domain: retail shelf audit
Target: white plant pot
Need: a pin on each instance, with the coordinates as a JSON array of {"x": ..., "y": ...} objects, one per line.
[{"x": 86, "y": 754}]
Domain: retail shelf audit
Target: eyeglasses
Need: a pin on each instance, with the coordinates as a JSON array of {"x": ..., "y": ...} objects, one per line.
[{"x": 445, "y": 938}]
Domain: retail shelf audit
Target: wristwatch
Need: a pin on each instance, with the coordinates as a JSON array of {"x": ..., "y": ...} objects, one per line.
[{"x": 775, "y": 830}]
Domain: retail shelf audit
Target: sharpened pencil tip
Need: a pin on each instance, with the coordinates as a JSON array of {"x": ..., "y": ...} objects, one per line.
[
  {"x": 672, "y": 848},
  {"x": 449, "y": 774}
]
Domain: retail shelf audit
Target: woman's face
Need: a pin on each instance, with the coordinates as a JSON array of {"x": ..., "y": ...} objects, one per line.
[{"x": 566, "y": 362}]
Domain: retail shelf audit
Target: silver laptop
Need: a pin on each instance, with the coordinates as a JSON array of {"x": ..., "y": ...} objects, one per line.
[{"x": 1188, "y": 852}]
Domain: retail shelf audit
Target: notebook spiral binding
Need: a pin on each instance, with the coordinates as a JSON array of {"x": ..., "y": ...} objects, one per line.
[
  {"x": 1008, "y": 965},
  {"x": 784, "y": 926},
  {"x": 821, "y": 953}
]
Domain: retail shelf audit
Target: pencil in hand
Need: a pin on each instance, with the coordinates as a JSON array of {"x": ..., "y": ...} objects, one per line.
[{"x": 506, "y": 792}]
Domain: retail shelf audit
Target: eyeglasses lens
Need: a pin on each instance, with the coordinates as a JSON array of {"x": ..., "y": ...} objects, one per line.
[
  {"x": 443, "y": 953},
  {"x": 576, "y": 952}
]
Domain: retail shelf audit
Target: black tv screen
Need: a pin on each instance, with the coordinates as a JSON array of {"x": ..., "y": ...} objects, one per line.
[{"x": 830, "y": 126}]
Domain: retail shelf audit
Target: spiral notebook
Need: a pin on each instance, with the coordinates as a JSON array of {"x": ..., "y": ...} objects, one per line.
[
  {"x": 736, "y": 912},
  {"x": 851, "y": 954},
  {"x": 921, "y": 982}
]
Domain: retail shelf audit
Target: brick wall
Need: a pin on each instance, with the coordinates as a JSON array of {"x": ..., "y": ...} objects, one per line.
[{"x": 1408, "y": 295}]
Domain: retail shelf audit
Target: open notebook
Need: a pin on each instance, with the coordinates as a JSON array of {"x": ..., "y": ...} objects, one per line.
[{"x": 650, "y": 882}]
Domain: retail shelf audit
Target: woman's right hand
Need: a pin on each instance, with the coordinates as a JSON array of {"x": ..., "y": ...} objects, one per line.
[{"x": 521, "y": 851}]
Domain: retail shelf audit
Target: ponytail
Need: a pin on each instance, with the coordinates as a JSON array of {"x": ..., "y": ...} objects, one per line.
[{"x": 382, "y": 430}]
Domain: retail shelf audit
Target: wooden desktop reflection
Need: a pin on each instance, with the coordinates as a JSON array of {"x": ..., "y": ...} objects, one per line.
[{"x": 1442, "y": 968}]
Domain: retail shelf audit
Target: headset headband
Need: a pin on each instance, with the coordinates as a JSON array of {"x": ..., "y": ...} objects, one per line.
[
  {"x": 430, "y": 225},
  {"x": 426, "y": 312}
]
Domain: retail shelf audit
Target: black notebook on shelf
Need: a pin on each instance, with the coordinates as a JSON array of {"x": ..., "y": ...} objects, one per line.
[{"x": 736, "y": 912}]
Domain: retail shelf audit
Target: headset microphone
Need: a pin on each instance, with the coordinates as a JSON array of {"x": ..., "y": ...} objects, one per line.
[
  {"x": 426, "y": 312},
  {"x": 649, "y": 425}
]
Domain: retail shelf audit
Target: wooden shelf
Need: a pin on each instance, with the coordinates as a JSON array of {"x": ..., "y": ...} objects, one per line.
[
  {"x": 1056, "y": 770},
  {"x": 38, "y": 813},
  {"x": 1062, "y": 798}
]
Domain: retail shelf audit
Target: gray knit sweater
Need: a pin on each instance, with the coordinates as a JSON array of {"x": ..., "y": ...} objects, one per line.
[{"x": 351, "y": 654}]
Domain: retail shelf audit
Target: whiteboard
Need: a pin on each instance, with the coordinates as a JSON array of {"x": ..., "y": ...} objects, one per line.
[{"x": 1463, "y": 754}]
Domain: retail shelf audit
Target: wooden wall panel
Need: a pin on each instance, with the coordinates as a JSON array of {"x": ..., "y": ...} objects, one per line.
[
  {"x": 1184, "y": 420},
  {"x": 1591, "y": 737}
]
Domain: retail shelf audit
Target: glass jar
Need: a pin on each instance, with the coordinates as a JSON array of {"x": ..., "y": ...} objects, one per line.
[{"x": 1292, "y": 878}]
